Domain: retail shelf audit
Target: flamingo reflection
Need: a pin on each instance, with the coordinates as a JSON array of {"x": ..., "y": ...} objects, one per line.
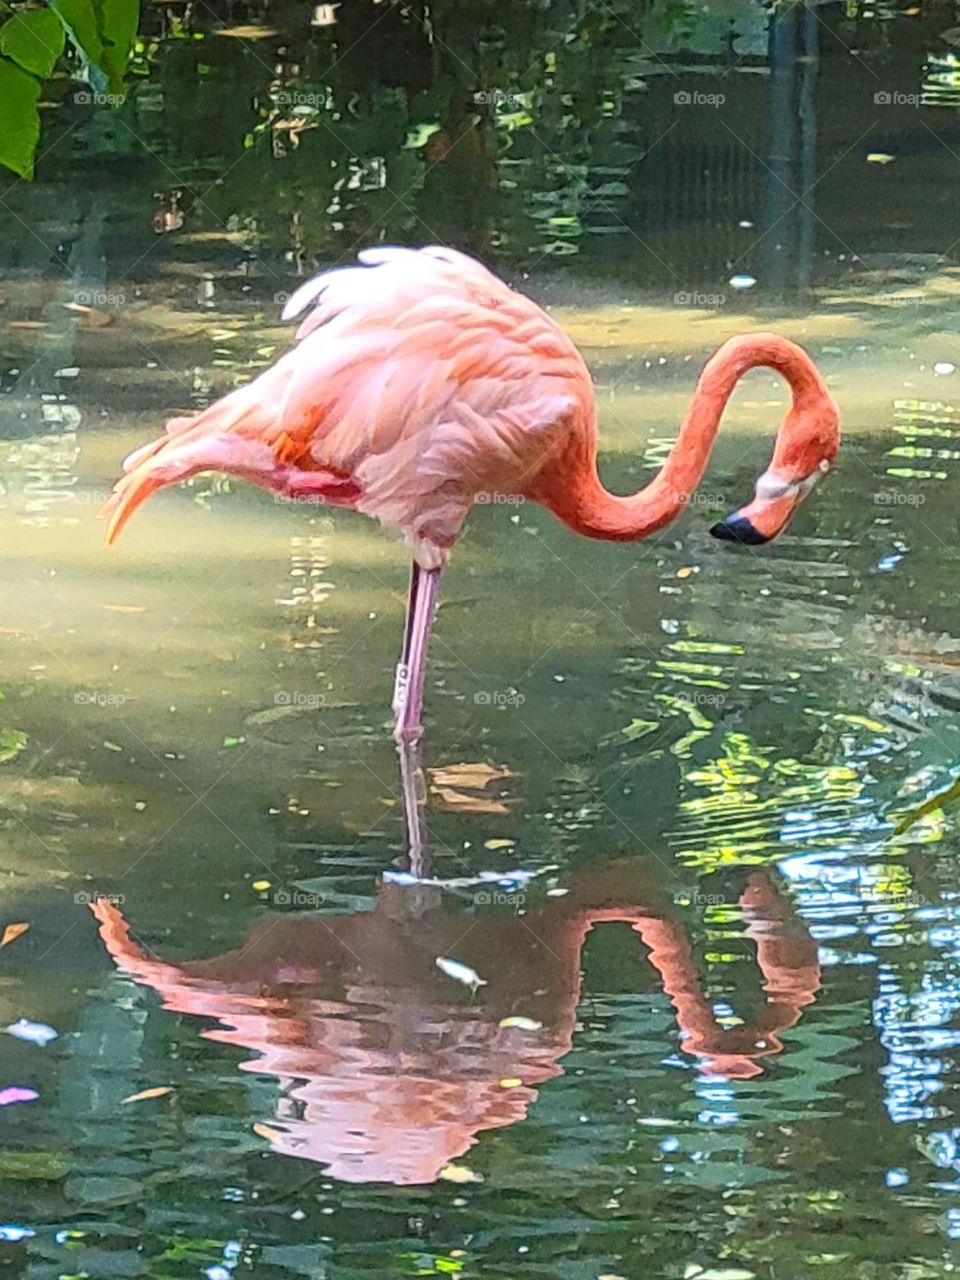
[{"x": 391, "y": 1069}]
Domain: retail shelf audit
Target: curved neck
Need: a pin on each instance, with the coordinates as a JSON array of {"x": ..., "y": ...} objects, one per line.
[{"x": 574, "y": 492}]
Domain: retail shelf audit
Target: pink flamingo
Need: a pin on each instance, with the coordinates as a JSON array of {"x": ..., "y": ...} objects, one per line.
[{"x": 421, "y": 381}]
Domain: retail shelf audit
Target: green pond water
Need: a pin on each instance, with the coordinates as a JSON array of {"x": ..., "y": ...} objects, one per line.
[{"x": 699, "y": 1006}]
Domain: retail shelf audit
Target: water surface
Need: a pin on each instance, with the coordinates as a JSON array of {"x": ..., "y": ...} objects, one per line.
[{"x": 717, "y": 1026}]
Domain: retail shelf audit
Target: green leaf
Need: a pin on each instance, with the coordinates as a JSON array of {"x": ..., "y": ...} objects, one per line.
[
  {"x": 119, "y": 30},
  {"x": 19, "y": 118},
  {"x": 34, "y": 40},
  {"x": 80, "y": 21},
  {"x": 12, "y": 742},
  {"x": 103, "y": 32}
]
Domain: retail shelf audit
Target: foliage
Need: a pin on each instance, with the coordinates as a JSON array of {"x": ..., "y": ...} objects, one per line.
[{"x": 32, "y": 42}]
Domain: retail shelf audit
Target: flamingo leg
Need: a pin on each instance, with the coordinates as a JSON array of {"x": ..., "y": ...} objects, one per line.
[
  {"x": 412, "y": 780},
  {"x": 411, "y": 670}
]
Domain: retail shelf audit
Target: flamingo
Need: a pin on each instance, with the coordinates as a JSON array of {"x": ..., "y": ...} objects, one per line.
[{"x": 421, "y": 383}]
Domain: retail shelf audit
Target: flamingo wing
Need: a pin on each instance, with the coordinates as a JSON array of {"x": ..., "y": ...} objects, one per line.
[{"x": 419, "y": 379}]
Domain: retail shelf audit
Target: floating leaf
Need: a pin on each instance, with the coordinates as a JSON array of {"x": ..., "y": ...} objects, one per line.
[
  {"x": 460, "y": 972},
  {"x": 157, "y": 1092},
  {"x": 499, "y": 844},
  {"x": 459, "y": 1173},
  {"x": 521, "y": 1024},
  {"x": 12, "y": 1232},
  {"x": 459, "y": 787},
  {"x": 17, "y": 1093},
  {"x": 729, "y": 1273},
  {"x": 461, "y": 801},
  {"x": 264, "y": 1131},
  {"x": 33, "y": 1032},
  {"x": 475, "y": 776},
  {"x": 12, "y": 932}
]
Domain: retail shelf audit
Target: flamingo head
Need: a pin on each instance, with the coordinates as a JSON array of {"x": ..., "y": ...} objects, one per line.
[
  {"x": 777, "y": 497},
  {"x": 805, "y": 450}
]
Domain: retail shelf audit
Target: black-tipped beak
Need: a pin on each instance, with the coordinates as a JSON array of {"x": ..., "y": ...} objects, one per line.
[
  {"x": 738, "y": 528},
  {"x": 761, "y": 520}
]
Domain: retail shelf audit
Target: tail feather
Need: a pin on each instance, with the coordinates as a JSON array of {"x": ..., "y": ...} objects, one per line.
[
  {"x": 234, "y": 434},
  {"x": 128, "y": 494}
]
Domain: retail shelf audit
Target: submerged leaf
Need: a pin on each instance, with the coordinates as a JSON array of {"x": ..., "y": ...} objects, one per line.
[
  {"x": 12, "y": 742},
  {"x": 12, "y": 932},
  {"x": 639, "y": 729},
  {"x": 33, "y": 1166},
  {"x": 157, "y": 1092}
]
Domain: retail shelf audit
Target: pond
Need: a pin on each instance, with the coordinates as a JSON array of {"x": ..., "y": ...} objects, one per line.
[{"x": 697, "y": 1011}]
